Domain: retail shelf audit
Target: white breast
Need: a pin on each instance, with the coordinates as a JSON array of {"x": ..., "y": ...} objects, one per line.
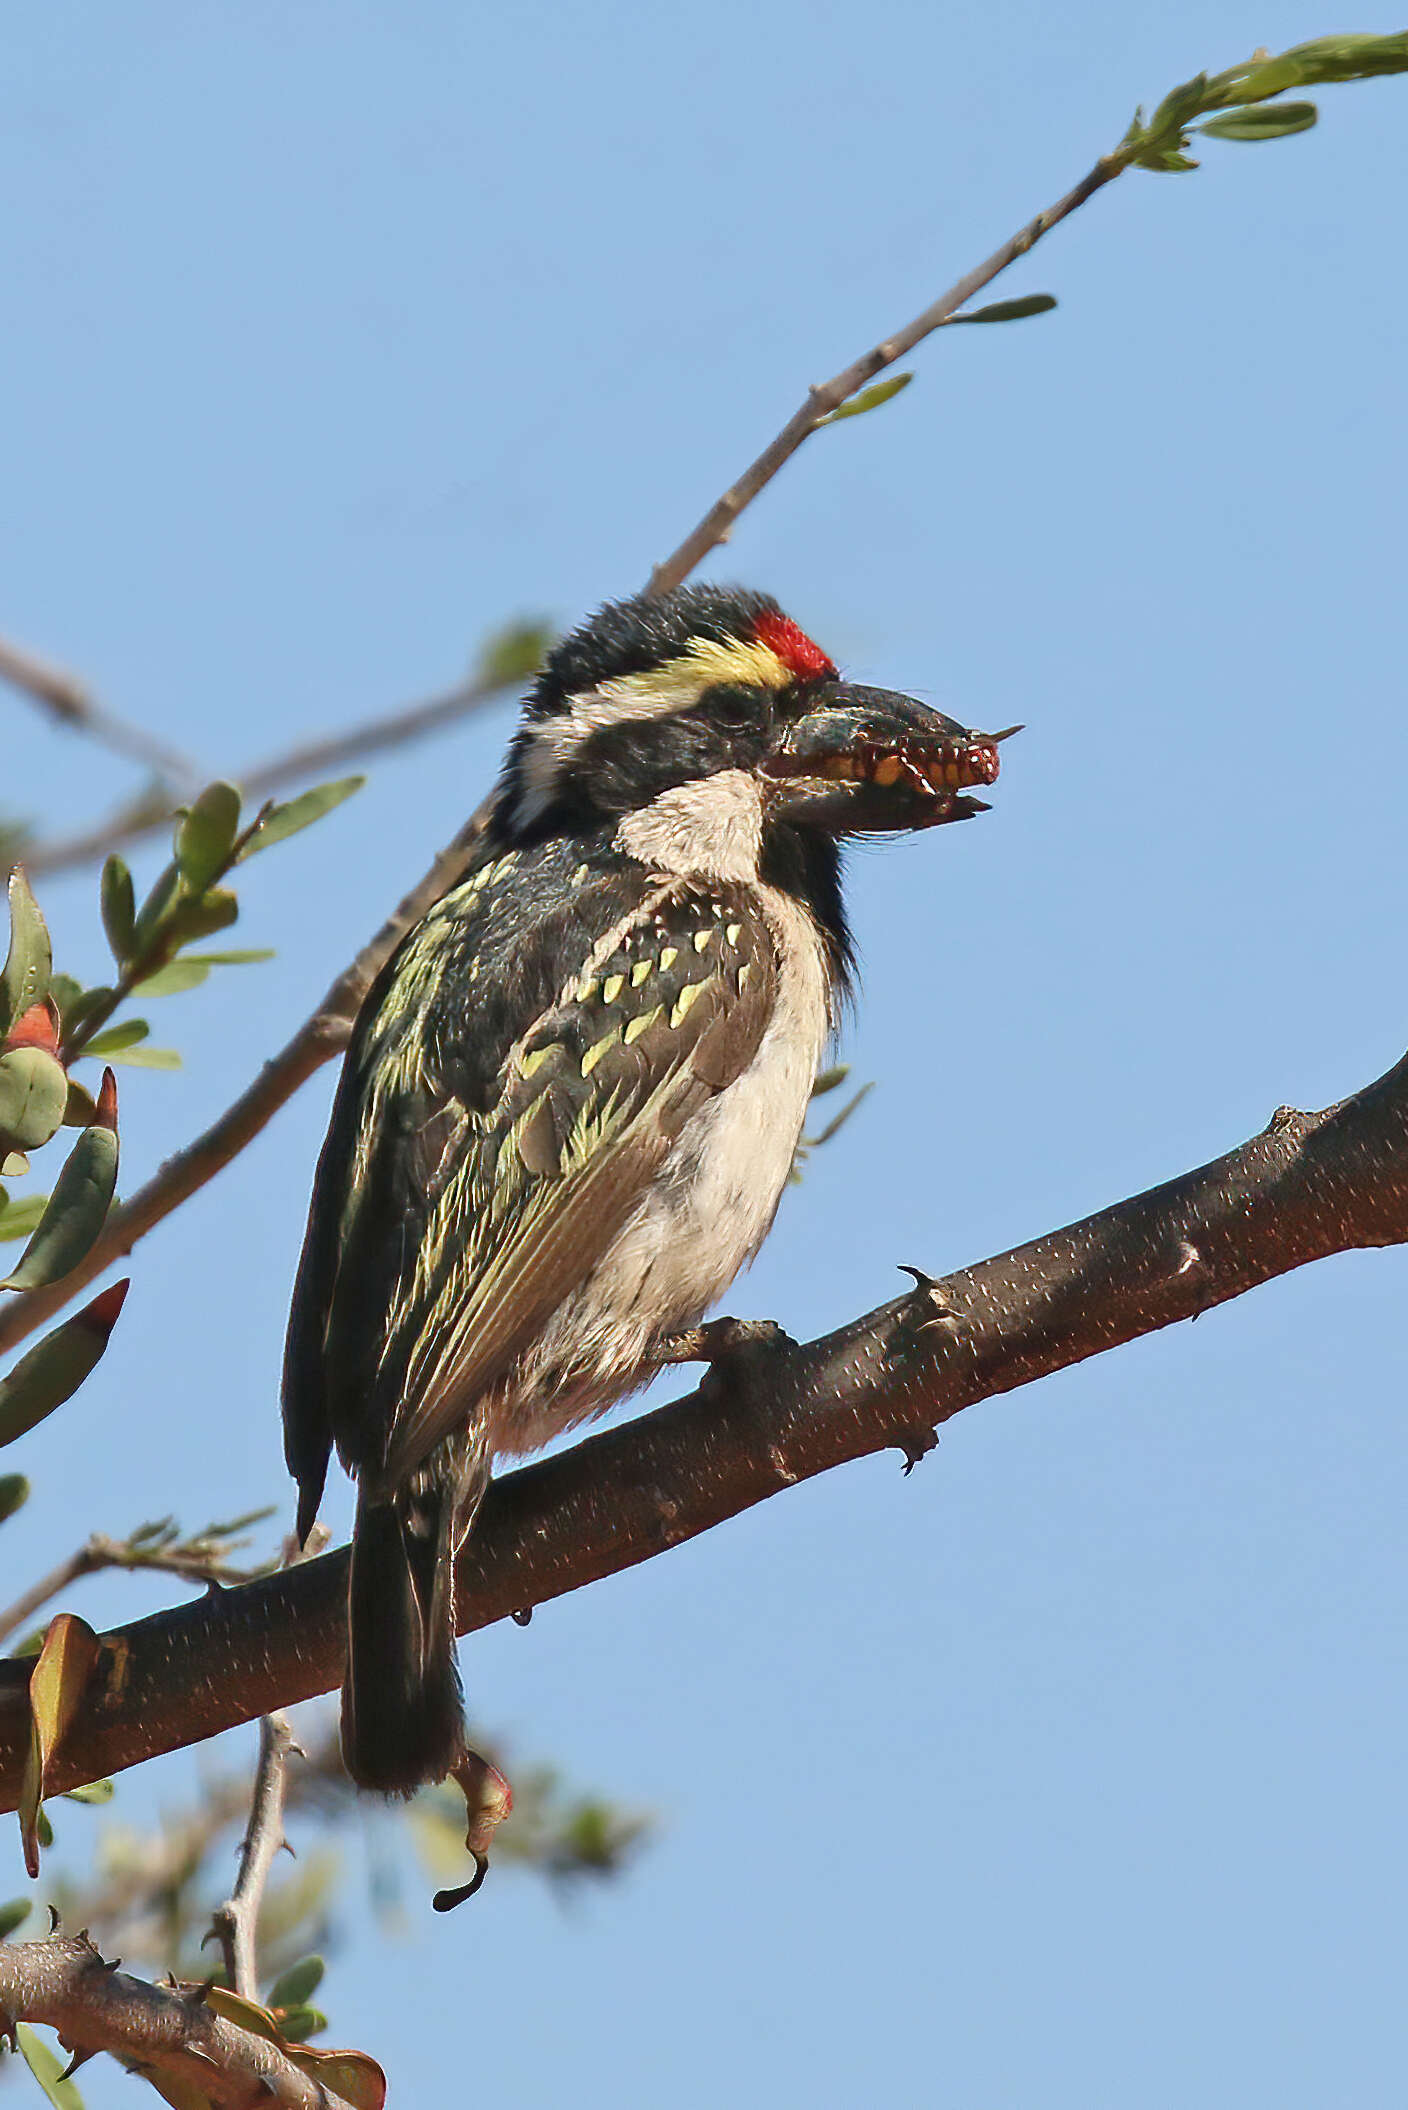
[{"x": 703, "y": 1219}]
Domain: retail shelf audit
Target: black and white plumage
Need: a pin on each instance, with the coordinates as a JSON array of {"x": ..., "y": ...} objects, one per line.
[{"x": 573, "y": 1095}]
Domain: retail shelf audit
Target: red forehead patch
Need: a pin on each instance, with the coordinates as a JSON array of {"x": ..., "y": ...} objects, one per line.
[{"x": 792, "y": 646}]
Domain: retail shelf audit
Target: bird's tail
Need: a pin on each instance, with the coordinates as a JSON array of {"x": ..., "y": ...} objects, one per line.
[{"x": 402, "y": 1711}]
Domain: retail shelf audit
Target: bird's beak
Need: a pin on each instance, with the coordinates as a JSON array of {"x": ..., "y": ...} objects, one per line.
[{"x": 870, "y": 760}]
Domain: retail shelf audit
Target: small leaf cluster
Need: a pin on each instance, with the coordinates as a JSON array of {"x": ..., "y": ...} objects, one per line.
[{"x": 1238, "y": 104}]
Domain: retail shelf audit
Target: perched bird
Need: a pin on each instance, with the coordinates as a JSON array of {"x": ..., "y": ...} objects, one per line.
[{"x": 572, "y": 1096}]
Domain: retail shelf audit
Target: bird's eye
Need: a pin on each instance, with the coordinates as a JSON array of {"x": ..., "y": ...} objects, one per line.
[{"x": 737, "y": 709}]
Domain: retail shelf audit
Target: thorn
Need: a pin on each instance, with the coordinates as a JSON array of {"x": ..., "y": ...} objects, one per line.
[
  {"x": 54, "y": 1921},
  {"x": 80, "y": 2058},
  {"x": 924, "y": 1281},
  {"x": 523, "y": 1616},
  {"x": 916, "y": 1444},
  {"x": 196, "y": 1995},
  {"x": 945, "y": 1315},
  {"x": 1006, "y": 733},
  {"x": 446, "y": 1900}
]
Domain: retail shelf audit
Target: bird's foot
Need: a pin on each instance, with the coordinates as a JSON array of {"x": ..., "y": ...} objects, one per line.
[{"x": 736, "y": 1350}]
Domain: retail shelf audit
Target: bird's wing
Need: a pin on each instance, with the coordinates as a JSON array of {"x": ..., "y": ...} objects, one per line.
[{"x": 456, "y": 1209}]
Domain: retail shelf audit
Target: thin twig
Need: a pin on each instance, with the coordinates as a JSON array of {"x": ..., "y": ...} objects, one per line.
[
  {"x": 146, "y": 814},
  {"x": 65, "y": 699},
  {"x": 1308, "y": 1186},
  {"x": 236, "y": 1922},
  {"x": 195, "y": 1561},
  {"x": 827, "y": 396}
]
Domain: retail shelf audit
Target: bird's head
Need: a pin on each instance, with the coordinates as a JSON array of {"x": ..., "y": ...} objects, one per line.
[{"x": 653, "y": 696}]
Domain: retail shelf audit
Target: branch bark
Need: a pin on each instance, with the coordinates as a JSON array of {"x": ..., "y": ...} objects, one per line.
[
  {"x": 1309, "y": 1185},
  {"x": 236, "y": 1922},
  {"x": 65, "y": 1984},
  {"x": 64, "y": 698}
]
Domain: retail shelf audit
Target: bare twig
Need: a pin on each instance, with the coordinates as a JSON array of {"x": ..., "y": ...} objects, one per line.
[
  {"x": 149, "y": 812},
  {"x": 1309, "y": 1185},
  {"x": 827, "y": 396},
  {"x": 64, "y": 698},
  {"x": 200, "y": 1559},
  {"x": 65, "y": 1984},
  {"x": 236, "y": 1922}
]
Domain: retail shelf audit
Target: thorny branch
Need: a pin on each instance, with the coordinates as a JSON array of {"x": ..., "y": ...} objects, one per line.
[
  {"x": 1309, "y": 1185},
  {"x": 168, "y": 2031},
  {"x": 236, "y": 1922},
  {"x": 203, "y": 1558}
]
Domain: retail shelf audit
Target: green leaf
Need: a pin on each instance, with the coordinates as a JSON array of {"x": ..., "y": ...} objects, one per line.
[
  {"x": 47, "y": 2070},
  {"x": 14, "y": 1493},
  {"x": 116, "y": 1038},
  {"x": 514, "y": 653},
  {"x": 14, "y": 1915},
  {"x": 82, "y": 1008},
  {"x": 1179, "y": 107},
  {"x": 827, "y": 1080},
  {"x": 206, "y": 835},
  {"x": 97, "y": 1791},
  {"x": 1262, "y": 121},
  {"x": 152, "y": 915},
  {"x": 1165, "y": 163},
  {"x": 145, "y": 1058},
  {"x": 297, "y": 1985},
  {"x": 56, "y": 1685},
  {"x": 1011, "y": 310},
  {"x": 1350, "y": 58},
  {"x": 81, "y": 1105},
  {"x": 868, "y": 399},
  {"x": 300, "y": 2023},
  {"x": 177, "y": 975},
  {"x": 234, "y": 959},
  {"x": 202, "y": 916},
  {"x": 65, "y": 991},
  {"x": 29, "y": 963},
  {"x": 282, "y": 821},
  {"x": 117, "y": 901},
  {"x": 22, "y": 1217},
  {"x": 54, "y": 1369},
  {"x": 78, "y": 1206},
  {"x": 33, "y": 1095}
]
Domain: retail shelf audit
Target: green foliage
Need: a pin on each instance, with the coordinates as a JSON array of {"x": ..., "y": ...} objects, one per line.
[
  {"x": 14, "y": 1915},
  {"x": 1010, "y": 310},
  {"x": 1244, "y": 92},
  {"x": 513, "y": 654},
  {"x": 868, "y": 399},
  {"x": 77, "y": 1209},
  {"x": 14, "y": 1493},
  {"x": 28, "y": 964},
  {"x": 276, "y": 823},
  {"x": 56, "y": 1366}
]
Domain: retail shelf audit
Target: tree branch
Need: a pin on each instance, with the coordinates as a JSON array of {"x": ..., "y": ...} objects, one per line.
[
  {"x": 149, "y": 812},
  {"x": 63, "y": 698},
  {"x": 236, "y": 1922},
  {"x": 64, "y": 1983},
  {"x": 1309, "y": 1185},
  {"x": 827, "y": 396},
  {"x": 202, "y": 1559}
]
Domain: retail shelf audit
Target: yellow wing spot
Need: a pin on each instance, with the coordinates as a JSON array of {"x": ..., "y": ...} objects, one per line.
[
  {"x": 582, "y": 873},
  {"x": 596, "y": 1051},
  {"x": 611, "y": 988},
  {"x": 640, "y": 1025},
  {"x": 668, "y": 958},
  {"x": 640, "y": 973},
  {"x": 687, "y": 997},
  {"x": 733, "y": 932},
  {"x": 701, "y": 940},
  {"x": 743, "y": 973},
  {"x": 587, "y": 989},
  {"x": 535, "y": 1058}
]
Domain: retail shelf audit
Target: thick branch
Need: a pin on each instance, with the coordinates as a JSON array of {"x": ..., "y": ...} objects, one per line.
[
  {"x": 827, "y": 396},
  {"x": 65, "y": 1984},
  {"x": 1308, "y": 1186}
]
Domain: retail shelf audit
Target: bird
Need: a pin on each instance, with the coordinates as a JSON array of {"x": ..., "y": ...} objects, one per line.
[{"x": 572, "y": 1096}]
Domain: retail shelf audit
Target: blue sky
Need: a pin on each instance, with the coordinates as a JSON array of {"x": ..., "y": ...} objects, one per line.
[{"x": 1069, "y": 1770}]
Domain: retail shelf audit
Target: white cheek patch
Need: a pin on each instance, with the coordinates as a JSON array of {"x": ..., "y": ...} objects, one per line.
[{"x": 659, "y": 693}]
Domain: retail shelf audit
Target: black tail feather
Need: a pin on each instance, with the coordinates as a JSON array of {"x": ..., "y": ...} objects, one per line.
[{"x": 402, "y": 1710}]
